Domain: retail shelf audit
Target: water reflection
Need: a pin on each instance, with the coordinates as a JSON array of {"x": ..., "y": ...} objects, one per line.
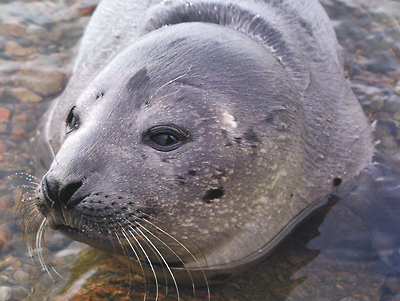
[{"x": 352, "y": 255}]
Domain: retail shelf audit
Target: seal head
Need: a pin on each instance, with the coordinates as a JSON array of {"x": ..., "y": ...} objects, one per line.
[{"x": 199, "y": 148}]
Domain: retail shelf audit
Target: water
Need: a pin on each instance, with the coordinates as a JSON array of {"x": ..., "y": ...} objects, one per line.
[{"x": 348, "y": 251}]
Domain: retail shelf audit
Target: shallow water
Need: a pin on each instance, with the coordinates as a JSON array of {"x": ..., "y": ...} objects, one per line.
[{"x": 349, "y": 251}]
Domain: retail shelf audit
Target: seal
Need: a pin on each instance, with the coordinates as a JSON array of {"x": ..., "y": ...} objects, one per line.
[{"x": 194, "y": 136}]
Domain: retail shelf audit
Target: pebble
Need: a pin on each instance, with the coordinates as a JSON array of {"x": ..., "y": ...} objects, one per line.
[
  {"x": 43, "y": 80},
  {"x": 85, "y": 7},
  {"x": 21, "y": 276},
  {"x": 14, "y": 49},
  {"x": 383, "y": 63},
  {"x": 25, "y": 95},
  {"x": 28, "y": 13},
  {"x": 19, "y": 293},
  {"x": 392, "y": 103},
  {"x": 5, "y": 293},
  {"x": 13, "y": 28},
  {"x": 4, "y": 113}
]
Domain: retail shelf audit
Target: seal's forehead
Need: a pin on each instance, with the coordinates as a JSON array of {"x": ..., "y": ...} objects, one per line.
[
  {"x": 171, "y": 63},
  {"x": 171, "y": 51}
]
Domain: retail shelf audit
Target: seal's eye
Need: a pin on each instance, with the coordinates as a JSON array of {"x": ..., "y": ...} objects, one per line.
[
  {"x": 72, "y": 121},
  {"x": 165, "y": 138}
]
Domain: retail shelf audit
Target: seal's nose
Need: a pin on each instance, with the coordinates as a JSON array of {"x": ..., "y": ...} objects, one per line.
[{"x": 58, "y": 193}]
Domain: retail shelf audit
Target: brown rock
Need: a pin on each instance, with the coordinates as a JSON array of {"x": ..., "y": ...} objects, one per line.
[
  {"x": 14, "y": 49},
  {"x": 4, "y": 113},
  {"x": 13, "y": 28},
  {"x": 18, "y": 132},
  {"x": 25, "y": 95},
  {"x": 37, "y": 34},
  {"x": 21, "y": 118},
  {"x": 44, "y": 80},
  {"x": 85, "y": 7},
  {"x": 21, "y": 276}
]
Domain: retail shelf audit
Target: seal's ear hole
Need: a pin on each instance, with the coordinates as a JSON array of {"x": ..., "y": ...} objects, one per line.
[
  {"x": 165, "y": 138},
  {"x": 72, "y": 121}
]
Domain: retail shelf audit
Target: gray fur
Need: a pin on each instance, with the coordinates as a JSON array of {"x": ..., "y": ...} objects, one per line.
[{"x": 266, "y": 121}]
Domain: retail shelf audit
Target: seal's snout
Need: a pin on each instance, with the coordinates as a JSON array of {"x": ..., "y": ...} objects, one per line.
[{"x": 59, "y": 193}]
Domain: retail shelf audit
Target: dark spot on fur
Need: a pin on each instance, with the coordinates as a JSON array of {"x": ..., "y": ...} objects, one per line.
[
  {"x": 99, "y": 95},
  {"x": 138, "y": 82},
  {"x": 176, "y": 42},
  {"x": 270, "y": 118},
  {"x": 212, "y": 194},
  {"x": 181, "y": 180},
  {"x": 337, "y": 182},
  {"x": 307, "y": 26},
  {"x": 251, "y": 136},
  {"x": 291, "y": 195},
  {"x": 192, "y": 173}
]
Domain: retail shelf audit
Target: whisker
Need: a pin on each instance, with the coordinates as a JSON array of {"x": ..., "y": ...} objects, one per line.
[
  {"x": 52, "y": 151},
  {"x": 28, "y": 177},
  {"x": 127, "y": 256},
  {"x": 28, "y": 185},
  {"x": 38, "y": 241},
  {"x": 171, "y": 81},
  {"x": 164, "y": 261},
  {"x": 148, "y": 260},
  {"x": 138, "y": 259},
  {"x": 186, "y": 249}
]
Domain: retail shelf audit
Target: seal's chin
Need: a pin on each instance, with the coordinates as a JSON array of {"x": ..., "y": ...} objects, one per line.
[{"x": 71, "y": 232}]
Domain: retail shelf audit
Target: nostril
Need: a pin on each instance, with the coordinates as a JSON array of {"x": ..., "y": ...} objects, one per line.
[
  {"x": 59, "y": 193},
  {"x": 68, "y": 190}
]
